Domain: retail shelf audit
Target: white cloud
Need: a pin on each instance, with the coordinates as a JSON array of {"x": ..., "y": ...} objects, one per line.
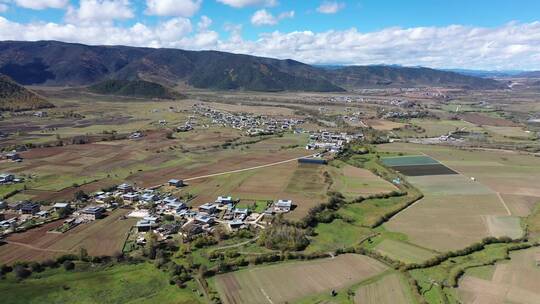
[
  {"x": 330, "y": 7},
  {"x": 100, "y": 11},
  {"x": 244, "y": 3},
  {"x": 263, "y": 17},
  {"x": 42, "y": 4},
  {"x": 174, "y": 33},
  {"x": 509, "y": 46},
  {"x": 183, "y": 8},
  {"x": 3, "y": 8},
  {"x": 204, "y": 23}
]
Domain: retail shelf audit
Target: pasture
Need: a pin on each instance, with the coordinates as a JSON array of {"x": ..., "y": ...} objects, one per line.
[
  {"x": 353, "y": 182},
  {"x": 292, "y": 281},
  {"x": 513, "y": 281},
  {"x": 136, "y": 283},
  {"x": 402, "y": 251},
  {"x": 101, "y": 237}
]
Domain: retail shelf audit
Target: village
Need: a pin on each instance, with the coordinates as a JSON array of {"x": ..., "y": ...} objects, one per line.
[{"x": 155, "y": 211}]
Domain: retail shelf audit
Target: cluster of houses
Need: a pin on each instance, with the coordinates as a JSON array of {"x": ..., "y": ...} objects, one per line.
[
  {"x": 156, "y": 211},
  {"x": 332, "y": 142},
  {"x": 346, "y": 99},
  {"x": 190, "y": 222},
  {"x": 251, "y": 123}
]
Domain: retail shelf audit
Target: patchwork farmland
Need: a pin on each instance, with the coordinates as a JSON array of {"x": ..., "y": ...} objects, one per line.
[
  {"x": 293, "y": 281},
  {"x": 512, "y": 281},
  {"x": 459, "y": 210}
]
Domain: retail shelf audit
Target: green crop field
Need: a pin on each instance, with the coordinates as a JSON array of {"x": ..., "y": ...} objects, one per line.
[{"x": 409, "y": 161}]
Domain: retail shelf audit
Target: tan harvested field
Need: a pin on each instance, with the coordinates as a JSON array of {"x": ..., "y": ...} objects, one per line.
[
  {"x": 504, "y": 226},
  {"x": 502, "y": 171},
  {"x": 520, "y": 205},
  {"x": 513, "y": 281},
  {"x": 101, "y": 237},
  {"x": 148, "y": 161},
  {"x": 390, "y": 289},
  {"x": 454, "y": 184},
  {"x": 447, "y": 222},
  {"x": 304, "y": 184},
  {"x": 481, "y": 119},
  {"x": 292, "y": 281},
  {"x": 516, "y": 132}
]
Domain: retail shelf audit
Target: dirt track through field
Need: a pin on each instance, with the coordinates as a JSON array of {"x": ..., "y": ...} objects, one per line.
[
  {"x": 244, "y": 169},
  {"x": 37, "y": 248}
]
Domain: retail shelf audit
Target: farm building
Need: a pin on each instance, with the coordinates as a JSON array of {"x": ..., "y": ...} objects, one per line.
[
  {"x": 6, "y": 178},
  {"x": 149, "y": 197},
  {"x": 145, "y": 225},
  {"x": 125, "y": 188},
  {"x": 29, "y": 208},
  {"x": 59, "y": 206},
  {"x": 43, "y": 214},
  {"x": 92, "y": 213},
  {"x": 207, "y": 208},
  {"x": 224, "y": 200},
  {"x": 316, "y": 161},
  {"x": 282, "y": 206},
  {"x": 176, "y": 182},
  {"x": 204, "y": 219},
  {"x": 13, "y": 156},
  {"x": 131, "y": 197},
  {"x": 236, "y": 224}
]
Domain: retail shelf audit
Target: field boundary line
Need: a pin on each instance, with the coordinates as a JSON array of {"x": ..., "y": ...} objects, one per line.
[
  {"x": 36, "y": 248},
  {"x": 503, "y": 203},
  {"x": 266, "y": 295},
  {"x": 242, "y": 170}
]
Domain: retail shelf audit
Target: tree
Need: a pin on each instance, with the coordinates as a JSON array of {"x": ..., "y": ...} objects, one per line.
[
  {"x": 81, "y": 195},
  {"x": 68, "y": 265},
  {"x": 83, "y": 254},
  {"x": 21, "y": 272},
  {"x": 63, "y": 212}
]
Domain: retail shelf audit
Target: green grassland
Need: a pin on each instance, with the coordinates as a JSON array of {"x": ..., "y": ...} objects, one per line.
[{"x": 140, "y": 283}]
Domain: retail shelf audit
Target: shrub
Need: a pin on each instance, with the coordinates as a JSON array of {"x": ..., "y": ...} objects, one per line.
[
  {"x": 21, "y": 272},
  {"x": 68, "y": 265}
]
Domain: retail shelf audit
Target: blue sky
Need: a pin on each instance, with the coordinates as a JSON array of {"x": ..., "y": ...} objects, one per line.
[{"x": 462, "y": 34}]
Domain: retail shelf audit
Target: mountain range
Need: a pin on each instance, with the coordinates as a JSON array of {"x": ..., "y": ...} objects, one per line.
[{"x": 56, "y": 63}]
